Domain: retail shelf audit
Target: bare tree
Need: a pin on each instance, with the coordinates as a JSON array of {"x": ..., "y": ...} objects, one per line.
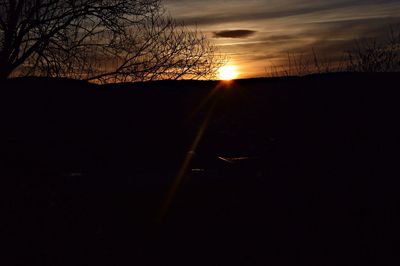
[{"x": 101, "y": 41}]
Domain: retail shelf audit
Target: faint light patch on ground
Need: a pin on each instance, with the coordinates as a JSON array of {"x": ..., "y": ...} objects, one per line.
[
  {"x": 198, "y": 170},
  {"x": 73, "y": 174},
  {"x": 233, "y": 160}
]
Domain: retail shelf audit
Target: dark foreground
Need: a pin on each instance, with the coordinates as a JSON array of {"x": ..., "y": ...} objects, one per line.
[{"x": 86, "y": 172}]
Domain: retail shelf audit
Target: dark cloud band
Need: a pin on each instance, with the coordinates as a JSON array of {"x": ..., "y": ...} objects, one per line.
[{"x": 234, "y": 33}]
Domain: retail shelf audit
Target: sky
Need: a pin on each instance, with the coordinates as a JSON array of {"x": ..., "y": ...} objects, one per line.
[{"x": 258, "y": 34}]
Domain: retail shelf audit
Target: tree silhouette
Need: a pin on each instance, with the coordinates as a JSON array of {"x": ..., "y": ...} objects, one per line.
[{"x": 101, "y": 41}]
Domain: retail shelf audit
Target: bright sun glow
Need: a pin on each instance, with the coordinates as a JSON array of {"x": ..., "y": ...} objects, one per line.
[{"x": 228, "y": 72}]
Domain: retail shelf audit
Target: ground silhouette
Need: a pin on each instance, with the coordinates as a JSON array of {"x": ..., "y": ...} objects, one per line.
[{"x": 289, "y": 171}]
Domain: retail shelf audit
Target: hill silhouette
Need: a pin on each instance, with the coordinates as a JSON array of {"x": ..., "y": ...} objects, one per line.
[{"x": 288, "y": 171}]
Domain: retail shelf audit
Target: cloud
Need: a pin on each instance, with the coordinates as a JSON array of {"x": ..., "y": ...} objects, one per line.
[
  {"x": 257, "y": 11},
  {"x": 234, "y": 33},
  {"x": 279, "y": 38},
  {"x": 330, "y": 27}
]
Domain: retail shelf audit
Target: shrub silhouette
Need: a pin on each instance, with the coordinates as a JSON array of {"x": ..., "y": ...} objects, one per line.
[
  {"x": 374, "y": 56},
  {"x": 367, "y": 55}
]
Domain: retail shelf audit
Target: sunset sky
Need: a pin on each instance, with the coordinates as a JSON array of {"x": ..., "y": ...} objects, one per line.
[{"x": 258, "y": 33}]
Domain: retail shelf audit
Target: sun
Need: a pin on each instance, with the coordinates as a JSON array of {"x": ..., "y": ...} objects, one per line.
[{"x": 228, "y": 72}]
